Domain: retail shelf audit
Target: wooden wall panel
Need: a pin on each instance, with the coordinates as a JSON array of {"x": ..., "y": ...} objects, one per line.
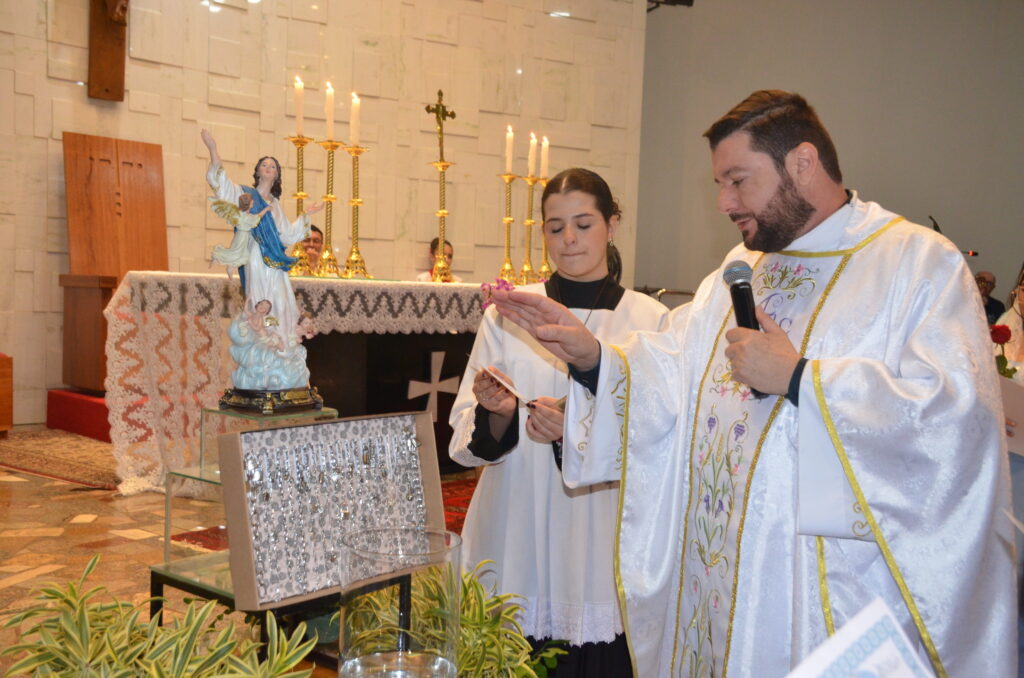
[
  {"x": 94, "y": 204},
  {"x": 116, "y": 211},
  {"x": 116, "y": 224},
  {"x": 144, "y": 236}
]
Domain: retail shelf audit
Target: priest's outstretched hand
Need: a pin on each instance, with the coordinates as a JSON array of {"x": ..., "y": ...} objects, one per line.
[
  {"x": 764, "y": 359},
  {"x": 553, "y": 325}
]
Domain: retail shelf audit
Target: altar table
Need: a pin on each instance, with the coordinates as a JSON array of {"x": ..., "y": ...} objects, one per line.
[{"x": 167, "y": 351}]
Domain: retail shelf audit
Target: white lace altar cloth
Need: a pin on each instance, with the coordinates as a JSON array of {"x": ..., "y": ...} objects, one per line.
[{"x": 167, "y": 354}]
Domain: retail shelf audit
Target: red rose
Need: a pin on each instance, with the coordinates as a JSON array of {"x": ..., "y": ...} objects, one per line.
[{"x": 1000, "y": 334}]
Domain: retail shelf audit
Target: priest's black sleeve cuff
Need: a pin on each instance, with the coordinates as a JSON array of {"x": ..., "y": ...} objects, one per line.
[
  {"x": 793, "y": 394},
  {"x": 588, "y": 379},
  {"x": 483, "y": 445}
]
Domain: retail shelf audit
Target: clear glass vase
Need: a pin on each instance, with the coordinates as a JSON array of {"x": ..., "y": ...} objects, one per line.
[{"x": 400, "y": 603}]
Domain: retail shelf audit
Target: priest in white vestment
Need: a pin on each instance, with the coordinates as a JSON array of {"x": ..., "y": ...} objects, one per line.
[{"x": 751, "y": 528}]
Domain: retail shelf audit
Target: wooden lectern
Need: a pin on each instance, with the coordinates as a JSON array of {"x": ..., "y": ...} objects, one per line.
[{"x": 116, "y": 223}]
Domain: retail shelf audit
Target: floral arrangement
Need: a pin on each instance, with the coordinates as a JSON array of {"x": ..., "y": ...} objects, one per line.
[
  {"x": 1001, "y": 335},
  {"x": 488, "y": 289}
]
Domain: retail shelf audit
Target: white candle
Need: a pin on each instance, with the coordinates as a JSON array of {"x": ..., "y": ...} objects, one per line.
[
  {"x": 353, "y": 124},
  {"x": 531, "y": 159},
  {"x": 544, "y": 158},
  {"x": 298, "y": 106},
  {"x": 329, "y": 110},
  {"x": 509, "y": 136}
]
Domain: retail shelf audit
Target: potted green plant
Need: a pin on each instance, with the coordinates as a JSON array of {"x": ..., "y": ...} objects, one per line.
[{"x": 73, "y": 633}]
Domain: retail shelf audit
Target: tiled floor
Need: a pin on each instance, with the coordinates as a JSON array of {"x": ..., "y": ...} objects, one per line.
[{"x": 50, "y": 529}]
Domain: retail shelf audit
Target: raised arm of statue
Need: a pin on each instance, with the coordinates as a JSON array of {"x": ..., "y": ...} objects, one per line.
[{"x": 211, "y": 145}]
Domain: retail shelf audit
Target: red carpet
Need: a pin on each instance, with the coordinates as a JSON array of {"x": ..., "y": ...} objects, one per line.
[{"x": 455, "y": 493}]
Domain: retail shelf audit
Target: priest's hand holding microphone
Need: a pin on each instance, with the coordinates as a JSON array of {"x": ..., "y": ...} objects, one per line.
[{"x": 763, "y": 360}]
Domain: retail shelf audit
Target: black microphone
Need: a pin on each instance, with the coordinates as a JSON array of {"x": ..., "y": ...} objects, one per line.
[{"x": 737, "y": 276}]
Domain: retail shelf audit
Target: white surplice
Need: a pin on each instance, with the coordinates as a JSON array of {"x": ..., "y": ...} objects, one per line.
[
  {"x": 550, "y": 545},
  {"x": 749, "y": 527}
]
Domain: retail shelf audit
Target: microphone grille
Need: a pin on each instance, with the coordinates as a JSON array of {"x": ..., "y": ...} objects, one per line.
[{"x": 737, "y": 272}]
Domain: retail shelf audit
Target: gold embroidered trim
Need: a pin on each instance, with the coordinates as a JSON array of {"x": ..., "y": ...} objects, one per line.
[
  {"x": 826, "y": 602},
  {"x": 619, "y": 588},
  {"x": 689, "y": 497},
  {"x": 757, "y": 454},
  {"x": 883, "y": 545},
  {"x": 846, "y": 252}
]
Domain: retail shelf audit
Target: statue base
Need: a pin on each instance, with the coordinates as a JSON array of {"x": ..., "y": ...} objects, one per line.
[{"x": 272, "y": 402}]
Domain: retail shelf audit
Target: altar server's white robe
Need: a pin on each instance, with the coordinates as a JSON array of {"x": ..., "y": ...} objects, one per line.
[
  {"x": 896, "y": 456},
  {"x": 550, "y": 545}
]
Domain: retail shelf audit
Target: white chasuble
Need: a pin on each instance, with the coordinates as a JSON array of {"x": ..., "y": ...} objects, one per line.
[{"x": 750, "y": 529}]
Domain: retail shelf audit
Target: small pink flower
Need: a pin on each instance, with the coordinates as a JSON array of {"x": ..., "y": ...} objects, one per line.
[
  {"x": 736, "y": 470},
  {"x": 488, "y": 288}
]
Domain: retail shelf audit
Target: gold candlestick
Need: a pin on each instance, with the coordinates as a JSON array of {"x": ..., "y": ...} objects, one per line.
[
  {"x": 526, "y": 273},
  {"x": 355, "y": 266},
  {"x": 441, "y": 271},
  {"x": 327, "y": 267},
  {"x": 300, "y": 267},
  {"x": 544, "y": 272},
  {"x": 508, "y": 271}
]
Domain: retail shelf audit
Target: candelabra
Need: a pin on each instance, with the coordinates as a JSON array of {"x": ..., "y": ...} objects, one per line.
[
  {"x": 355, "y": 266},
  {"x": 508, "y": 271},
  {"x": 441, "y": 270},
  {"x": 544, "y": 272},
  {"x": 526, "y": 273},
  {"x": 328, "y": 265},
  {"x": 301, "y": 266}
]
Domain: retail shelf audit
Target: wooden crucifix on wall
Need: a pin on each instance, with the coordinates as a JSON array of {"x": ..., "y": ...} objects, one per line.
[{"x": 108, "y": 28}]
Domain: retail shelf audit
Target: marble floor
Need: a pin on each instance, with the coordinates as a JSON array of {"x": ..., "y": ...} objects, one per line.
[{"x": 49, "y": 530}]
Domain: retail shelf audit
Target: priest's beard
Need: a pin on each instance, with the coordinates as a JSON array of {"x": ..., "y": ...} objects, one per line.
[{"x": 781, "y": 220}]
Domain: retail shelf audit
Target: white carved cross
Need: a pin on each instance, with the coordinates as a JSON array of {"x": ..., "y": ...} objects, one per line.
[{"x": 434, "y": 386}]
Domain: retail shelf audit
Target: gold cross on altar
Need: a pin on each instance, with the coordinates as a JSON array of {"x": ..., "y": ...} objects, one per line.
[{"x": 440, "y": 112}]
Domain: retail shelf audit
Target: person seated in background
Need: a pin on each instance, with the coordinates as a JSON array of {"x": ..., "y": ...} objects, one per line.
[
  {"x": 427, "y": 276},
  {"x": 987, "y": 285},
  {"x": 314, "y": 246}
]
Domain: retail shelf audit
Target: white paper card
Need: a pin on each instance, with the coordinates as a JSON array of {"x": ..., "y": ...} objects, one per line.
[{"x": 870, "y": 645}]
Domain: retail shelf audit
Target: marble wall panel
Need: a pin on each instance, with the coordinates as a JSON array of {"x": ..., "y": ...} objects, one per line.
[
  {"x": 58, "y": 266},
  {"x": 7, "y": 272},
  {"x": 67, "y": 62},
  {"x": 6, "y": 102},
  {"x": 29, "y": 54},
  {"x": 68, "y": 22},
  {"x": 55, "y": 345},
  {"x": 6, "y": 51}
]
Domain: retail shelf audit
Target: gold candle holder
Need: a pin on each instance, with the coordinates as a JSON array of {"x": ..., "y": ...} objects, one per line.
[
  {"x": 300, "y": 267},
  {"x": 355, "y": 265},
  {"x": 526, "y": 273},
  {"x": 441, "y": 271},
  {"x": 327, "y": 267},
  {"x": 544, "y": 272},
  {"x": 508, "y": 271}
]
